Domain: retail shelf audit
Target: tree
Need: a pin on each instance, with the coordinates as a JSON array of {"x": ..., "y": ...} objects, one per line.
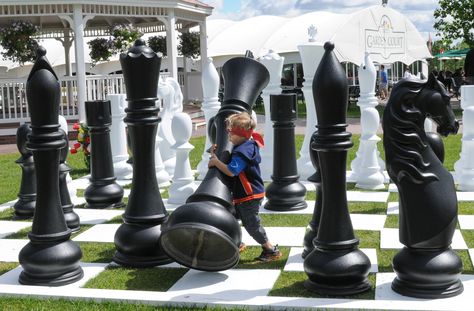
[
  {"x": 189, "y": 46},
  {"x": 157, "y": 44},
  {"x": 454, "y": 20}
]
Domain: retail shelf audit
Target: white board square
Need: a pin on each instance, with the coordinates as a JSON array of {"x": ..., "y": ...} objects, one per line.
[
  {"x": 98, "y": 233},
  {"x": 9, "y": 227},
  {"x": 236, "y": 284},
  {"x": 283, "y": 236}
]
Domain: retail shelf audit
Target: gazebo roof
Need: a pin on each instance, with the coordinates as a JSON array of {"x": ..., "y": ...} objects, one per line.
[{"x": 52, "y": 15}]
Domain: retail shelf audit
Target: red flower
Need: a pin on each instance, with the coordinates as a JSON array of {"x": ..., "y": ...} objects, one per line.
[
  {"x": 77, "y": 145},
  {"x": 88, "y": 140},
  {"x": 73, "y": 151},
  {"x": 76, "y": 126}
]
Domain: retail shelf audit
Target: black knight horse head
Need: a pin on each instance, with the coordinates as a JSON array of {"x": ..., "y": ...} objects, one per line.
[{"x": 435, "y": 104}]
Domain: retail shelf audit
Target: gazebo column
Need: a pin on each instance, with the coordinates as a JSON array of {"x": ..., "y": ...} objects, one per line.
[
  {"x": 171, "y": 44},
  {"x": 79, "y": 25},
  {"x": 67, "y": 43},
  {"x": 203, "y": 43}
]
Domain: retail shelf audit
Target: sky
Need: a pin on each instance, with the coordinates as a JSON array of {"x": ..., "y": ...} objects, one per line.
[{"x": 420, "y": 12}]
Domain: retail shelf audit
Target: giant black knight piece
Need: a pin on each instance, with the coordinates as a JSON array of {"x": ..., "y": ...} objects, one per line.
[
  {"x": 426, "y": 267},
  {"x": 50, "y": 258},
  {"x": 203, "y": 234}
]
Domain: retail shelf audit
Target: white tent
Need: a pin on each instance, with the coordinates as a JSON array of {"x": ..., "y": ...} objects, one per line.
[{"x": 385, "y": 33}]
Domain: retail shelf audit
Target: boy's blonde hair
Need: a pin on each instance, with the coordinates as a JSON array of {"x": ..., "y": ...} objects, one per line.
[{"x": 241, "y": 120}]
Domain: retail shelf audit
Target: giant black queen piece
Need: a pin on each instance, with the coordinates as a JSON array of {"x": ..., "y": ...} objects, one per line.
[
  {"x": 137, "y": 238},
  {"x": 203, "y": 233}
]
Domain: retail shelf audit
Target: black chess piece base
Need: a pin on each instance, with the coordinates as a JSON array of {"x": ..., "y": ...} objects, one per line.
[
  {"x": 428, "y": 274},
  {"x": 102, "y": 196},
  {"x": 285, "y": 196},
  {"x": 337, "y": 272},
  {"x": 24, "y": 207},
  {"x": 133, "y": 239},
  {"x": 40, "y": 270}
]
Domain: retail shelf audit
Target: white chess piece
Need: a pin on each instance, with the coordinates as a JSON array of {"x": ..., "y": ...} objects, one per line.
[
  {"x": 366, "y": 171},
  {"x": 170, "y": 93},
  {"x": 210, "y": 106},
  {"x": 183, "y": 184},
  {"x": 274, "y": 63},
  {"x": 311, "y": 53},
  {"x": 71, "y": 189},
  {"x": 118, "y": 137},
  {"x": 464, "y": 167}
]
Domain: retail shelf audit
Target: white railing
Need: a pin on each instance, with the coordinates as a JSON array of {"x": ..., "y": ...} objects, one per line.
[{"x": 13, "y": 102}]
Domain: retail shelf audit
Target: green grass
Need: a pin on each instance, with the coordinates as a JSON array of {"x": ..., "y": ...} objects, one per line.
[
  {"x": 282, "y": 220},
  {"x": 391, "y": 221},
  {"x": 384, "y": 259},
  {"x": 22, "y": 234},
  {"x": 28, "y": 304},
  {"x": 97, "y": 252},
  {"x": 291, "y": 284},
  {"x": 466, "y": 208},
  {"x": 145, "y": 279},
  {"x": 10, "y": 177},
  {"x": 7, "y": 214},
  {"x": 7, "y": 266},
  {"x": 248, "y": 259},
  {"x": 367, "y": 207},
  {"x": 368, "y": 238}
]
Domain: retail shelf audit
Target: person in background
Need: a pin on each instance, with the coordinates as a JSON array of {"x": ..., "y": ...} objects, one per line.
[
  {"x": 383, "y": 83},
  {"x": 469, "y": 67},
  {"x": 248, "y": 190},
  {"x": 407, "y": 74}
]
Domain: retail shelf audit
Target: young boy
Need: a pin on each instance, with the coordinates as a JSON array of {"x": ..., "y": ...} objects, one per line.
[{"x": 248, "y": 189}]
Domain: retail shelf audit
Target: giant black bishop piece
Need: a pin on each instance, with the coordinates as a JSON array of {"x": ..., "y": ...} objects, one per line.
[
  {"x": 50, "y": 258},
  {"x": 203, "y": 233},
  {"x": 335, "y": 266},
  {"x": 137, "y": 239}
]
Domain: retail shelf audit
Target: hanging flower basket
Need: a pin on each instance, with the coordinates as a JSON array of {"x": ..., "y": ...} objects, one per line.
[{"x": 18, "y": 41}]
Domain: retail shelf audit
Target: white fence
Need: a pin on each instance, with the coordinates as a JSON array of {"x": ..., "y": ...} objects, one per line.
[{"x": 13, "y": 101}]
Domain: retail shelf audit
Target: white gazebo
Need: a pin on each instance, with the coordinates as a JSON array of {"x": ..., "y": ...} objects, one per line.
[{"x": 74, "y": 20}]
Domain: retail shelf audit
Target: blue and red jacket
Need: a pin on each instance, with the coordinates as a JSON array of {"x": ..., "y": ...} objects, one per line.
[{"x": 248, "y": 184}]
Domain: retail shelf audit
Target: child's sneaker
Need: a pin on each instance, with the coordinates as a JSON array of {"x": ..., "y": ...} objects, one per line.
[
  {"x": 270, "y": 255},
  {"x": 242, "y": 247}
]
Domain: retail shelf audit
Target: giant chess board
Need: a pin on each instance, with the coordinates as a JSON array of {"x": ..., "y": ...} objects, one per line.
[{"x": 250, "y": 284}]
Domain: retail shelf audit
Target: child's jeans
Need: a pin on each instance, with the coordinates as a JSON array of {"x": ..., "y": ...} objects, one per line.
[{"x": 248, "y": 213}]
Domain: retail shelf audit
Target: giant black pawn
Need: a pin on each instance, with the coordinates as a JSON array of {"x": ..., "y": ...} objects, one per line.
[
  {"x": 25, "y": 206},
  {"x": 137, "y": 239},
  {"x": 72, "y": 219},
  {"x": 335, "y": 266},
  {"x": 203, "y": 234},
  {"x": 285, "y": 192},
  {"x": 313, "y": 225},
  {"x": 103, "y": 190},
  {"x": 50, "y": 258}
]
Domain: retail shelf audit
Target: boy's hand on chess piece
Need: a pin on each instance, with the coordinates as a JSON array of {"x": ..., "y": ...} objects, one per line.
[{"x": 213, "y": 160}]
